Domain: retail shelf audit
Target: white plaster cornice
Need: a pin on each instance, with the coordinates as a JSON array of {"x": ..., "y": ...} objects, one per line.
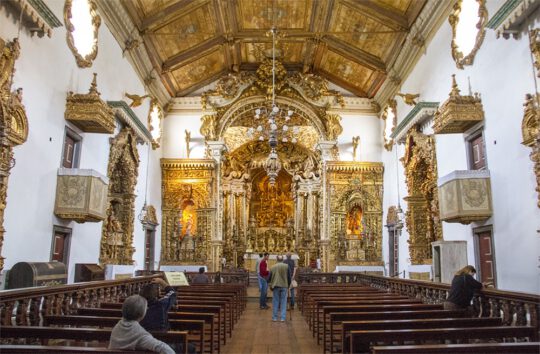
[
  {"x": 190, "y": 105},
  {"x": 354, "y": 105},
  {"x": 185, "y": 105},
  {"x": 125, "y": 31},
  {"x": 430, "y": 19}
]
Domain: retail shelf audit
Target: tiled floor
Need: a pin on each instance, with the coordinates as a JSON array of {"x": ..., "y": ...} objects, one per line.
[{"x": 256, "y": 333}]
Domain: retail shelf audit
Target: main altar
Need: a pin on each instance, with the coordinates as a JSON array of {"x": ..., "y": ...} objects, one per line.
[{"x": 223, "y": 209}]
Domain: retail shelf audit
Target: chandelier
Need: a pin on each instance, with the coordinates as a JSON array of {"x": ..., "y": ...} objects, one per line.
[{"x": 273, "y": 124}]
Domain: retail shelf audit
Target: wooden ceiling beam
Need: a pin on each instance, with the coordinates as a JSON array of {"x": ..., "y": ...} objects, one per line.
[
  {"x": 342, "y": 83},
  {"x": 357, "y": 55},
  {"x": 383, "y": 15},
  {"x": 201, "y": 83},
  {"x": 169, "y": 13},
  {"x": 414, "y": 10},
  {"x": 192, "y": 54}
]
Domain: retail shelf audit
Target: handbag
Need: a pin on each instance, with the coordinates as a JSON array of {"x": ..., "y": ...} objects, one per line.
[{"x": 294, "y": 284}]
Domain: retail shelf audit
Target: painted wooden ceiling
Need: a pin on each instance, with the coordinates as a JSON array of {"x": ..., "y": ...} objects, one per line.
[{"x": 349, "y": 42}]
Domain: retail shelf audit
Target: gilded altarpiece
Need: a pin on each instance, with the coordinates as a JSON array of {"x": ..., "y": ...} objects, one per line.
[
  {"x": 117, "y": 232},
  {"x": 13, "y": 123},
  {"x": 188, "y": 215},
  {"x": 355, "y": 192},
  {"x": 422, "y": 216}
]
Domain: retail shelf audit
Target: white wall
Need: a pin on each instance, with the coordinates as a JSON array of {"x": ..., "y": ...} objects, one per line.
[
  {"x": 174, "y": 143},
  {"x": 46, "y": 70},
  {"x": 368, "y": 128},
  {"x": 502, "y": 74}
]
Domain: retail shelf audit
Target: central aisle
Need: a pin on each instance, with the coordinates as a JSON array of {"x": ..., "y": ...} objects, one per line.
[{"x": 256, "y": 333}]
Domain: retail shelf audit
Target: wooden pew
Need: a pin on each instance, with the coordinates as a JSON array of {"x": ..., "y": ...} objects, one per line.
[
  {"x": 425, "y": 323},
  {"x": 210, "y": 318},
  {"x": 82, "y": 334},
  {"x": 360, "y": 341},
  {"x": 195, "y": 328},
  {"x": 476, "y": 348},
  {"x": 335, "y": 319},
  {"x": 368, "y": 307},
  {"x": 114, "y": 309},
  {"x": 53, "y": 349}
]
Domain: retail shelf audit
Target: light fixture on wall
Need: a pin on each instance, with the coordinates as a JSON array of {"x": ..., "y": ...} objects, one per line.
[
  {"x": 273, "y": 123},
  {"x": 143, "y": 215}
]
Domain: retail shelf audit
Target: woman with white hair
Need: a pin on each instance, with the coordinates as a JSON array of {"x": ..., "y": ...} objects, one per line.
[{"x": 128, "y": 333}]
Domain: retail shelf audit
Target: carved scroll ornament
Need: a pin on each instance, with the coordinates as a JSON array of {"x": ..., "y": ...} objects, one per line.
[
  {"x": 13, "y": 123},
  {"x": 530, "y": 130},
  {"x": 461, "y": 58},
  {"x": 86, "y": 60},
  {"x": 534, "y": 43}
]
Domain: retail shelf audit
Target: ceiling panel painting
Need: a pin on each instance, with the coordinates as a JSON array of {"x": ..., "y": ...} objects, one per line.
[
  {"x": 286, "y": 14},
  {"x": 396, "y": 5},
  {"x": 290, "y": 52},
  {"x": 199, "y": 70},
  {"x": 185, "y": 32},
  {"x": 351, "y": 26},
  {"x": 150, "y": 7},
  {"x": 346, "y": 70}
]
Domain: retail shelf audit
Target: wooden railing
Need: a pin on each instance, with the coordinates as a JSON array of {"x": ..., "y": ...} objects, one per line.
[
  {"x": 514, "y": 308},
  {"x": 26, "y": 307}
]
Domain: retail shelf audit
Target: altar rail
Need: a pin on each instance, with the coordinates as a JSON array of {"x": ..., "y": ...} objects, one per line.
[
  {"x": 514, "y": 308},
  {"x": 26, "y": 307}
]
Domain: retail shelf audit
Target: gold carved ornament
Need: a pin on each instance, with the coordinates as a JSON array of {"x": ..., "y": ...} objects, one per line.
[
  {"x": 117, "y": 232},
  {"x": 389, "y": 115},
  {"x": 461, "y": 58},
  {"x": 89, "y": 112},
  {"x": 534, "y": 43},
  {"x": 13, "y": 123},
  {"x": 86, "y": 61},
  {"x": 530, "y": 130},
  {"x": 422, "y": 217},
  {"x": 333, "y": 126}
]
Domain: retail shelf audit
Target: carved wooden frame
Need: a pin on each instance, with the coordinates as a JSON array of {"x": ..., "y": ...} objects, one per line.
[
  {"x": 392, "y": 104},
  {"x": 459, "y": 57},
  {"x": 86, "y": 61}
]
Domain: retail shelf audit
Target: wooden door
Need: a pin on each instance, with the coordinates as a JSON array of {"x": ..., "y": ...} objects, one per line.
[
  {"x": 486, "y": 257},
  {"x": 149, "y": 250},
  {"x": 393, "y": 252},
  {"x": 59, "y": 247},
  {"x": 478, "y": 154},
  {"x": 69, "y": 152}
]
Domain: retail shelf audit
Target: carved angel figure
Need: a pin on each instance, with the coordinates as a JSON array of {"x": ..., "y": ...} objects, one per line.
[
  {"x": 136, "y": 100},
  {"x": 355, "y": 142},
  {"x": 188, "y": 140},
  {"x": 409, "y": 98},
  {"x": 208, "y": 127}
]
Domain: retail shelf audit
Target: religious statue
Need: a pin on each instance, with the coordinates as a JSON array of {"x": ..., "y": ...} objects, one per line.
[
  {"x": 355, "y": 142},
  {"x": 114, "y": 235},
  {"x": 409, "y": 98},
  {"x": 354, "y": 221},
  {"x": 188, "y": 140}
]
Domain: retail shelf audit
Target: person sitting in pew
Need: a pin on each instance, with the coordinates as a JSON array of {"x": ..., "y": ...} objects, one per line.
[
  {"x": 200, "y": 278},
  {"x": 462, "y": 290},
  {"x": 129, "y": 334},
  {"x": 157, "y": 313},
  {"x": 156, "y": 318}
]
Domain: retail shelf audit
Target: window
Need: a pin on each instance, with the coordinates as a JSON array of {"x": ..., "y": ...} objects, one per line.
[
  {"x": 468, "y": 21},
  {"x": 72, "y": 149},
  {"x": 82, "y": 24},
  {"x": 155, "y": 118},
  {"x": 477, "y": 151},
  {"x": 389, "y": 116},
  {"x": 60, "y": 244}
]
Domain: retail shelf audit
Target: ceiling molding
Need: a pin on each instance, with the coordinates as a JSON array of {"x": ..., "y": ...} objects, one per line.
[
  {"x": 124, "y": 30},
  {"x": 126, "y": 115},
  {"x": 428, "y": 22}
]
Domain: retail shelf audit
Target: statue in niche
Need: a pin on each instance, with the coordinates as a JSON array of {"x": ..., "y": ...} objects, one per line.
[
  {"x": 188, "y": 140},
  {"x": 271, "y": 243},
  {"x": 355, "y": 142},
  {"x": 354, "y": 221},
  {"x": 114, "y": 235}
]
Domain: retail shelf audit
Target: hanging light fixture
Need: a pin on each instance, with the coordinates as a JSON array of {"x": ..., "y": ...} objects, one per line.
[
  {"x": 399, "y": 211},
  {"x": 143, "y": 215},
  {"x": 273, "y": 124}
]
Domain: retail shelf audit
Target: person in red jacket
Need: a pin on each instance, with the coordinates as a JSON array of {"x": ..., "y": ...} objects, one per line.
[{"x": 265, "y": 276}]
